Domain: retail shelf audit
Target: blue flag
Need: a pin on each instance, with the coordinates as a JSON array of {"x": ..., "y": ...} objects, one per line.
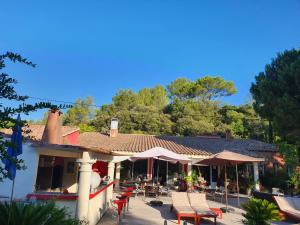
[{"x": 14, "y": 150}]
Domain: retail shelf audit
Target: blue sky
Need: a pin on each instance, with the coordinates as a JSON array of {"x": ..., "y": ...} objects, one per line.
[{"x": 94, "y": 48}]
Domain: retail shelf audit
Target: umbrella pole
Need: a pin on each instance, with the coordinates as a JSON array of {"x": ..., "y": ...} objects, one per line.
[
  {"x": 132, "y": 170},
  {"x": 152, "y": 171},
  {"x": 157, "y": 171},
  {"x": 237, "y": 184},
  {"x": 226, "y": 191},
  {"x": 167, "y": 177}
]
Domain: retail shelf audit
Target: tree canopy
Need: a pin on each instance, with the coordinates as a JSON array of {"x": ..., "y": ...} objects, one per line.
[
  {"x": 206, "y": 88},
  {"x": 185, "y": 107},
  {"x": 8, "y": 113},
  {"x": 276, "y": 94},
  {"x": 81, "y": 113}
]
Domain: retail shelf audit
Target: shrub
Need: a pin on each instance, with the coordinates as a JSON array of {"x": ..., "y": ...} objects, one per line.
[
  {"x": 278, "y": 179},
  {"x": 246, "y": 183},
  {"x": 34, "y": 214},
  {"x": 260, "y": 212},
  {"x": 295, "y": 180}
]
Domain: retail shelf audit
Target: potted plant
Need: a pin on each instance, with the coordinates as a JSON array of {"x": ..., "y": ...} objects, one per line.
[
  {"x": 260, "y": 212},
  {"x": 247, "y": 185},
  {"x": 189, "y": 182},
  {"x": 195, "y": 178}
]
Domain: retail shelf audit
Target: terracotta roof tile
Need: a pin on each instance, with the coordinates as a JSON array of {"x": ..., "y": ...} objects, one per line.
[
  {"x": 201, "y": 146},
  {"x": 36, "y": 131}
]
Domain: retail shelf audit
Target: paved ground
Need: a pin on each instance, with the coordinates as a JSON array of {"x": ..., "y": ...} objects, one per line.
[{"x": 141, "y": 213}]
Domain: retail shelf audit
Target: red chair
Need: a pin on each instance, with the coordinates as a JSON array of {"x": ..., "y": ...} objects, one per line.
[
  {"x": 126, "y": 195},
  {"x": 121, "y": 204},
  {"x": 129, "y": 189}
]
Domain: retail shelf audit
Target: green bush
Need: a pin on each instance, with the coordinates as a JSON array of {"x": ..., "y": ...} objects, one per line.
[
  {"x": 260, "y": 212},
  {"x": 295, "y": 180},
  {"x": 279, "y": 179},
  {"x": 34, "y": 214},
  {"x": 245, "y": 183}
]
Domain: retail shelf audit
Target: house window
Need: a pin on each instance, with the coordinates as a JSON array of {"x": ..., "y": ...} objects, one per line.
[
  {"x": 50, "y": 173},
  {"x": 57, "y": 174}
]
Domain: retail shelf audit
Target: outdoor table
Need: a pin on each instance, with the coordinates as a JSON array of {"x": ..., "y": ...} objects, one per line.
[{"x": 151, "y": 190}]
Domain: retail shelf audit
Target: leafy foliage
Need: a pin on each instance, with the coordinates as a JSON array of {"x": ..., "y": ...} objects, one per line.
[
  {"x": 244, "y": 122},
  {"x": 260, "y": 212},
  {"x": 193, "y": 109},
  {"x": 143, "y": 119},
  {"x": 37, "y": 214},
  {"x": 276, "y": 94},
  {"x": 42, "y": 121},
  {"x": 181, "y": 88},
  {"x": 8, "y": 93},
  {"x": 275, "y": 179},
  {"x": 206, "y": 88},
  {"x": 290, "y": 154},
  {"x": 295, "y": 179},
  {"x": 81, "y": 113},
  {"x": 213, "y": 87}
]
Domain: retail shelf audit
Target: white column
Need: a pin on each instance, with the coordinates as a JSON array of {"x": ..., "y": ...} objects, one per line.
[
  {"x": 118, "y": 175},
  {"x": 189, "y": 169},
  {"x": 256, "y": 176},
  {"x": 84, "y": 186},
  {"x": 210, "y": 175},
  {"x": 110, "y": 173}
]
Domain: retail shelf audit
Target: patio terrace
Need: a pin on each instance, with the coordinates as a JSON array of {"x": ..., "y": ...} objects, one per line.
[{"x": 141, "y": 213}]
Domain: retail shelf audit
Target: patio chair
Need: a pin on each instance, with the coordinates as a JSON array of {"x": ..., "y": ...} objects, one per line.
[
  {"x": 138, "y": 190},
  {"x": 220, "y": 191},
  {"x": 213, "y": 185},
  {"x": 277, "y": 191},
  {"x": 182, "y": 207},
  {"x": 289, "y": 206},
  {"x": 164, "y": 191},
  {"x": 151, "y": 191},
  {"x": 199, "y": 204}
]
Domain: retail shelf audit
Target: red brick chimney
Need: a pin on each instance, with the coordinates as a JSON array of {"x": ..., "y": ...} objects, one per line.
[
  {"x": 113, "y": 127},
  {"x": 52, "y": 132}
]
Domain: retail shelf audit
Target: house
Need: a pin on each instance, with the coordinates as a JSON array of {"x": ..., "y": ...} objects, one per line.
[
  {"x": 195, "y": 148},
  {"x": 59, "y": 170},
  {"x": 60, "y": 161}
]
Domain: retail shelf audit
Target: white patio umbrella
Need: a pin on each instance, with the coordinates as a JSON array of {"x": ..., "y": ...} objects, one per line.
[
  {"x": 161, "y": 154},
  {"x": 228, "y": 158}
]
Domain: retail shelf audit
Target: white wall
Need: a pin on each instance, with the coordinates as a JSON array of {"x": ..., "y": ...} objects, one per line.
[
  {"x": 98, "y": 206},
  {"x": 69, "y": 205},
  {"x": 25, "y": 179}
]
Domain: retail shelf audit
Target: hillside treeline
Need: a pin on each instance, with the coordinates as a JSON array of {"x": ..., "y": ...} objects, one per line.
[{"x": 184, "y": 107}]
